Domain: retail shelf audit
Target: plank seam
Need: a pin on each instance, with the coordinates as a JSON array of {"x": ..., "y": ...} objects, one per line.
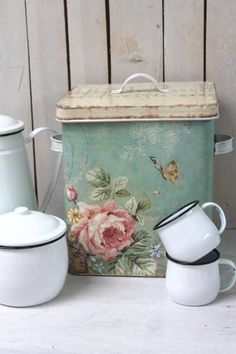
[
  {"x": 108, "y": 33},
  {"x": 163, "y": 40},
  {"x": 67, "y": 44},
  {"x": 31, "y": 101},
  {"x": 204, "y": 39}
]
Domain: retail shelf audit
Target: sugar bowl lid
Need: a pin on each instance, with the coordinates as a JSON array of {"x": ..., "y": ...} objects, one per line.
[
  {"x": 9, "y": 125},
  {"x": 24, "y": 228}
]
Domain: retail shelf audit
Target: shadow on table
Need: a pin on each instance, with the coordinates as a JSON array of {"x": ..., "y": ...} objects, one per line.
[
  {"x": 75, "y": 286},
  {"x": 226, "y": 299}
]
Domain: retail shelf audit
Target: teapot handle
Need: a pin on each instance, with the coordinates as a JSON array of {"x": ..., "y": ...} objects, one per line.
[{"x": 55, "y": 173}]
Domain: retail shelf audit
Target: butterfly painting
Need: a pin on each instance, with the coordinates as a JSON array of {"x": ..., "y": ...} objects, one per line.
[{"x": 170, "y": 173}]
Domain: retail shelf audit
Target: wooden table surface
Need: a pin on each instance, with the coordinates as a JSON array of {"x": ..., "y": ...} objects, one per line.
[{"x": 105, "y": 315}]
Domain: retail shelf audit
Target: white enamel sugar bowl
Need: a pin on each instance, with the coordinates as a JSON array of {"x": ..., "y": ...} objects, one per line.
[{"x": 33, "y": 257}]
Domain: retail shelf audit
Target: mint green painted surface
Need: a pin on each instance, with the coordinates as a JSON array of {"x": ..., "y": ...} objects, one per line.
[{"x": 109, "y": 166}]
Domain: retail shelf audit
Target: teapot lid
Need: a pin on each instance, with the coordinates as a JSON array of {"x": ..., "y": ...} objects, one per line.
[
  {"x": 9, "y": 125},
  {"x": 24, "y": 228}
]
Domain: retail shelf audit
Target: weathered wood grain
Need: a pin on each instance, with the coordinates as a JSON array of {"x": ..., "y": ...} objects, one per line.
[
  {"x": 48, "y": 62},
  {"x": 221, "y": 68},
  {"x": 87, "y": 41},
  {"x": 14, "y": 66},
  {"x": 184, "y": 36},
  {"x": 136, "y": 38}
]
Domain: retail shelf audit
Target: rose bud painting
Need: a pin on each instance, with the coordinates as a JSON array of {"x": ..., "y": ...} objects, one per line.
[{"x": 71, "y": 193}]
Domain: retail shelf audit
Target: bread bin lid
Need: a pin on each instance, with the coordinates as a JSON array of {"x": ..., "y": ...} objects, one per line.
[
  {"x": 139, "y": 101},
  {"x": 10, "y": 125},
  {"x": 26, "y": 228}
]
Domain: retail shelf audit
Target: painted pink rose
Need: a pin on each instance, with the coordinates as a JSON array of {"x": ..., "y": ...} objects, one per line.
[
  {"x": 104, "y": 231},
  {"x": 71, "y": 193}
]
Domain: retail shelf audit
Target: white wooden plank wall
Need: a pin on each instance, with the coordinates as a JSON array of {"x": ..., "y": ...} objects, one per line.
[
  {"x": 47, "y": 46},
  {"x": 49, "y": 82},
  {"x": 184, "y": 40},
  {"x": 14, "y": 65},
  {"x": 88, "y": 35},
  {"x": 136, "y": 38},
  {"x": 221, "y": 68}
]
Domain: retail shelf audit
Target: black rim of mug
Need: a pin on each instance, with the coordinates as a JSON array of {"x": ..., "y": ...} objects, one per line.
[
  {"x": 209, "y": 258},
  {"x": 165, "y": 221}
]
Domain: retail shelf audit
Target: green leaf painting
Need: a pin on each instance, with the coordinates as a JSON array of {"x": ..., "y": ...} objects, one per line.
[
  {"x": 122, "y": 193},
  {"x": 98, "y": 177},
  {"x": 104, "y": 187},
  {"x": 100, "y": 193},
  {"x": 119, "y": 183},
  {"x": 131, "y": 205},
  {"x": 143, "y": 205},
  {"x": 141, "y": 234},
  {"x": 141, "y": 265}
]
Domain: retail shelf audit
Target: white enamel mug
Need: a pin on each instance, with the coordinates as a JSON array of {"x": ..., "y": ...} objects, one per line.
[
  {"x": 197, "y": 283},
  {"x": 188, "y": 234}
]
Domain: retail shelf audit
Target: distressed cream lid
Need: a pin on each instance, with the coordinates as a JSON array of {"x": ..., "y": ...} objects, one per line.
[{"x": 140, "y": 101}]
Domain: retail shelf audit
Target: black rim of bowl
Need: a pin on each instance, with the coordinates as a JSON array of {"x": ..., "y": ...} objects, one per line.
[{"x": 31, "y": 246}]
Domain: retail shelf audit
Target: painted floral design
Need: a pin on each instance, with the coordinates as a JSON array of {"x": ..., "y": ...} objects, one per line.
[
  {"x": 140, "y": 134},
  {"x": 83, "y": 168},
  {"x": 171, "y": 140},
  {"x": 105, "y": 230},
  {"x": 156, "y": 250},
  {"x": 71, "y": 193},
  {"x": 74, "y": 215},
  {"x": 106, "y": 238}
]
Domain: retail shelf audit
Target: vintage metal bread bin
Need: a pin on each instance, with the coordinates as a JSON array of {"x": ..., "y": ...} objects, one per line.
[{"x": 131, "y": 156}]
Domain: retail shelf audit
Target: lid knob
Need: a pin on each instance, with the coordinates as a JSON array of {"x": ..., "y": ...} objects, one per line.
[{"x": 22, "y": 211}]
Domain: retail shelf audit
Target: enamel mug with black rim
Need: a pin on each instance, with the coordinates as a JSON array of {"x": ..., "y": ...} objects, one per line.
[
  {"x": 189, "y": 234},
  {"x": 33, "y": 257},
  {"x": 198, "y": 283}
]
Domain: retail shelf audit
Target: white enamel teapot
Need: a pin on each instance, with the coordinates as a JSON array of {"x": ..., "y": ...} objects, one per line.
[{"x": 16, "y": 185}]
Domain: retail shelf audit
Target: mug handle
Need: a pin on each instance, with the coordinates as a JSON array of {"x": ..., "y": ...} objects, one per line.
[
  {"x": 231, "y": 264},
  {"x": 220, "y": 212}
]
